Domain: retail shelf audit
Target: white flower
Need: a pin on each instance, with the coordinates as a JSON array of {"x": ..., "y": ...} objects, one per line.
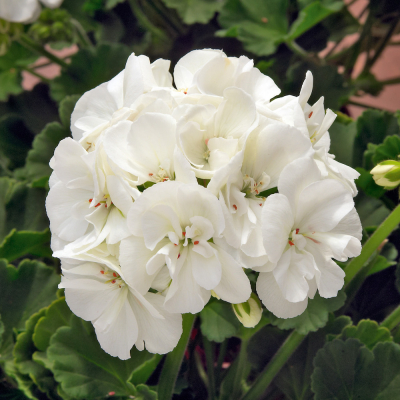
[
  {"x": 177, "y": 222},
  {"x": 314, "y": 123},
  {"x": 87, "y": 202},
  {"x": 304, "y": 226},
  {"x": 211, "y": 72},
  {"x": 25, "y": 11},
  {"x": 121, "y": 315},
  {"x": 269, "y": 148},
  {"x": 114, "y": 101},
  {"x": 147, "y": 149},
  {"x": 210, "y": 137}
]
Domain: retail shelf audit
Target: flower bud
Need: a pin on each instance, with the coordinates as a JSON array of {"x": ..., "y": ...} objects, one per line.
[
  {"x": 387, "y": 174},
  {"x": 249, "y": 313}
]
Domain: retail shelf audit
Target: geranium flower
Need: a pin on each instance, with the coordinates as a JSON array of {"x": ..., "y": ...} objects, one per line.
[
  {"x": 309, "y": 222},
  {"x": 122, "y": 316},
  {"x": 178, "y": 222}
]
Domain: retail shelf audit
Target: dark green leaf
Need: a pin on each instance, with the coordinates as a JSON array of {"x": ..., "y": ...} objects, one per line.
[
  {"x": 260, "y": 25},
  {"x": 388, "y": 150},
  {"x": 366, "y": 182},
  {"x": 84, "y": 370},
  {"x": 342, "y": 141},
  {"x": 21, "y": 207},
  {"x": 372, "y": 211},
  {"x": 312, "y": 15},
  {"x": 218, "y": 321},
  {"x": 24, "y": 291},
  {"x": 34, "y": 107},
  {"x": 15, "y": 141},
  {"x": 37, "y": 163},
  {"x": 22, "y": 243},
  {"x": 1, "y": 331},
  {"x": 367, "y": 332},
  {"x": 380, "y": 264},
  {"x": 263, "y": 345},
  {"x": 314, "y": 317},
  {"x": 10, "y": 83},
  {"x": 355, "y": 372},
  {"x": 372, "y": 127},
  {"x": 192, "y": 11},
  {"x": 17, "y": 56},
  {"x": 67, "y": 105},
  {"x": 89, "y": 68},
  {"x": 57, "y": 314}
]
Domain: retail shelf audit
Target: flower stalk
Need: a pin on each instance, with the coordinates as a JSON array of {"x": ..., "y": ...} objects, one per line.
[
  {"x": 381, "y": 233},
  {"x": 392, "y": 320},
  {"x": 174, "y": 359},
  {"x": 280, "y": 358}
]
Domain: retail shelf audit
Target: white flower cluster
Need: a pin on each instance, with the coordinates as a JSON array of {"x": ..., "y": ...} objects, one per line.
[
  {"x": 24, "y": 11},
  {"x": 159, "y": 199}
]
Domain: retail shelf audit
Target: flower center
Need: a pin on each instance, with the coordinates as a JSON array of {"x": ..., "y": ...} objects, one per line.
[{"x": 112, "y": 278}]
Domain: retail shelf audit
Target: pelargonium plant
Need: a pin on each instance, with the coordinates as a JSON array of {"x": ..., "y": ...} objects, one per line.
[{"x": 167, "y": 195}]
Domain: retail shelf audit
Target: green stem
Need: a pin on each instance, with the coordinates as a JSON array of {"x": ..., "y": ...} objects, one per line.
[
  {"x": 27, "y": 42},
  {"x": 209, "y": 350},
  {"x": 393, "y": 81},
  {"x": 302, "y": 53},
  {"x": 385, "y": 40},
  {"x": 221, "y": 357},
  {"x": 240, "y": 370},
  {"x": 173, "y": 362},
  {"x": 358, "y": 104},
  {"x": 34, "y": 73},
  {"x": 280, "y": 358},
  {"x": 144, "y": 21},
  {"x": 381, "y": 233},
  {"x": 83, "y": 37},
  {"x": 392, "y": 320}
]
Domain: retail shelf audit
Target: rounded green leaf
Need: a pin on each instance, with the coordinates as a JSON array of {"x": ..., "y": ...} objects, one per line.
[
  {"x": 218, "y": 322},
  {"x": 348, "y": 370},
  {"x": 367, "y": 332},
  {"x": 84, "y": 370}
]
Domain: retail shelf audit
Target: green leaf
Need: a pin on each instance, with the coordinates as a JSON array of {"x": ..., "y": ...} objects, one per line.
[
  {"x": 24, "y": 290},
  {"x": 57, "y": 314},
  {"x": 21, "y": 207},
  {"x": 22, "y": 243},
  {"x": 24, "y": 351},
  {"x": 34, "y": 107},
  {"x": 260, "y": 25},
  {"x": 366, "y": 182},
  {"x": 37, "y": 162},
  {"x": 10, "y": 83},
  {"x": 17, "y": 56},
  {"x": 15, "y": 141},
  {"x": 388, "y": 150},
  {"x": 263, "y": 345},
  {"x": 143, "y": 372},
  {"x": 372, "y": 127},
  {"x": 192, "y": 11},
  {"x": 342, "y": 141},
  {"x": 371, "y": 211},
  {"x": 112, "y": 3},
  {"x": 380, "y": 264},
  {"x": 311, "y": 16},
  {"x": 314, "y": 317},
  {"x": 67, "y": 105},
  {"x": 89, "y": 68},
  {"x": 218, "y": 321},
  {"x": 84, "y": 370},
  {"x": 367, "y": 332},
  {"x": 356, "y": 372},
  {"x": 144, "y": 393}
]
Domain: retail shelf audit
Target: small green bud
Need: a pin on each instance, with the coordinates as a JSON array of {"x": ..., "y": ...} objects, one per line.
[
  {"x": 249, "y": 313},
  {"x": 387, "y": 174}
]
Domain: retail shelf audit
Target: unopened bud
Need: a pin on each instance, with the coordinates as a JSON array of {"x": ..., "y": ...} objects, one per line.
[
  {"x": 249, "y": 313},
  {"x": 387, "y": 174}
]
